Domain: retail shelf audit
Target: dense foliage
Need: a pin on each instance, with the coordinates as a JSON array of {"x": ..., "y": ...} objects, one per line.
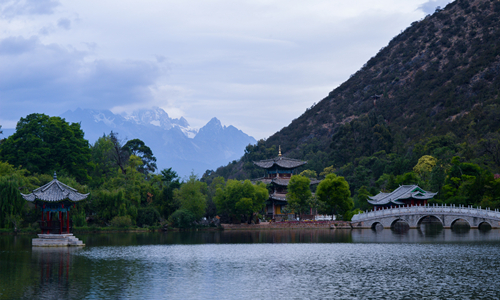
[{"x": 42, "y": 144}]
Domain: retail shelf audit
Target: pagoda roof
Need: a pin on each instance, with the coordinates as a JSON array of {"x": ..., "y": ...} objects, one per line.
[
  {"x": 278, "y": 196},
  {"x": 283, "y": 181},
  {"x": 402, "y": 192},
  {"x": 280, "y": 161},
  {"x": 54, "y": 191}
]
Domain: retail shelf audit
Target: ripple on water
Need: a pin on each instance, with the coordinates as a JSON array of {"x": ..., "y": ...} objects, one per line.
[{"x": 341, "y": 271}]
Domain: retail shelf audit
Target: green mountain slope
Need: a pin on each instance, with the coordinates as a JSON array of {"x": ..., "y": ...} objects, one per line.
[{"x": 433, "y": 90}]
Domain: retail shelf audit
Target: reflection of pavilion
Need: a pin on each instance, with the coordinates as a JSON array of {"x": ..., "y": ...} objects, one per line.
[
  {"x": 52, "y": 261},
  {"x": 54, "y": 199}
]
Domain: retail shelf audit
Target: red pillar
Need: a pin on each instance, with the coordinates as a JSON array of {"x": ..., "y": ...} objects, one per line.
[
  {"x": 67, "y": 221},
  {"x": 60, "y": 222},
  {"x": 48, "y": 222}
]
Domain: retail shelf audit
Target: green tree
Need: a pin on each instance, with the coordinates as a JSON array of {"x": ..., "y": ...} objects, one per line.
[
  {"x": 309, "y": 174},
  {"x": 424, "y": 166},
  {"x": 102, "y": 160},
  {"x": 166, "y": 202},
  {"x": 138, "y": 148},
  {"x": 334, "y": 192},
  {"x": 216, "y": 183},
  {"x": 44, "y": 144},
  {"x": 192, "y": 196},
  {"x": 299, "y": 194},
  {"x": 11, "y": 202},
  {"x": 238, "y": 198},
  {"x": 361, "y": 199}
]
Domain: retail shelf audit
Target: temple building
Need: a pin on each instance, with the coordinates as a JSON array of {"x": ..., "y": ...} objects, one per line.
[
  {"x": 55, "y": 200},
  {"x": 405, "y": 195},
  {"x": 278, "y": 170}
]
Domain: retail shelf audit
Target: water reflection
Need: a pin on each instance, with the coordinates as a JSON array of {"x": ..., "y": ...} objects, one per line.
[{"x": 429, "y": 262}]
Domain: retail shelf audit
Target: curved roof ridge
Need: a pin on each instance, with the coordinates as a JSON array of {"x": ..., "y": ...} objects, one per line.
[
  {"x": 55, "y": 191},
  {"x": 402, "y": 192},
  {"x": 281, "y": 161}
]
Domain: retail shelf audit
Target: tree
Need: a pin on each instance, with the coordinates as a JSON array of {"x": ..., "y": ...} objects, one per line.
[
  {"x": 216, "y": 183},
  {"x": 166, "y": 203},
  {"x": 138, "y": 148},
  {"x": 119, "y": 154},
  {"x": 327, "y": 170},
  {"x": 102, "y": 160},
  {"x": 424, "y": 166},
  {"x": 44, "y": 144},
  {"x": 309, "y": 174},
  {"x": 299, "y": 193},
  {"x": 334, "y": 192},
  {"x": 192, "y": 196},
  {"x": 238, "y": 198},
  {"x": 361, "y": 199}
]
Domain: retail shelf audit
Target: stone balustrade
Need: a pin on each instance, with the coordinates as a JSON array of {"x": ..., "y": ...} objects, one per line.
[{"x": 469, "y": 213}]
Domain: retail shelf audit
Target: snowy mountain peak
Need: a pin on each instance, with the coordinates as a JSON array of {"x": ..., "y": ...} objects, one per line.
[{"x": 156, "y": 116}]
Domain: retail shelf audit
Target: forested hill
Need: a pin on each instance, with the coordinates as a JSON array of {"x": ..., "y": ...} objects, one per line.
[{"x": 433, "y": 90}]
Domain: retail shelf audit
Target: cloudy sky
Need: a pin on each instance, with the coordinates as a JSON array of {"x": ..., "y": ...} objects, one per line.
[{"x": 254, "y": 64}]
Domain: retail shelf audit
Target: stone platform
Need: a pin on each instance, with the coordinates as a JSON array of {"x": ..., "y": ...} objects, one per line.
[{"x": 57, "y": 240}]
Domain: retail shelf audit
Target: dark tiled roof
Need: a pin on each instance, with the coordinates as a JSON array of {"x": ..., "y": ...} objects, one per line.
[
  {"x": 281, "y": 181},
  {"x": 281, "y": 161},
  {"x": 276, "y": 196},
  {"x": 55, "y": 191},
  {"x": 402, "y": 192}
]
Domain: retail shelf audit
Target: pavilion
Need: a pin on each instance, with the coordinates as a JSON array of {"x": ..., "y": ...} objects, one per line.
[
  {"x": 279, "y": 170},
  {"x": 404, "y": 195},
  {"x": 55, "y": 199}
]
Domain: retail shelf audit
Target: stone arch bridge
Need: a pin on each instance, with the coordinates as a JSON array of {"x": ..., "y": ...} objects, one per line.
[{"x": 413, "y": 215}]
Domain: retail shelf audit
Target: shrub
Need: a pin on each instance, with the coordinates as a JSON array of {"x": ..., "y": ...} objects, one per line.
[
  {"x": 147, "y": 216},
  {"x": 121, "y": 221},
  {"x": 182, "y": 218}
]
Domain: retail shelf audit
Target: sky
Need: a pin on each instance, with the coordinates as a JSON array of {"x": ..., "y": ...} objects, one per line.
[{"x": 253, "y": 64}]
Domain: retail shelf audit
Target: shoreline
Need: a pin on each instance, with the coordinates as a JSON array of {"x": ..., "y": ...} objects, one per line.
[{"x": 294, "y": 225}]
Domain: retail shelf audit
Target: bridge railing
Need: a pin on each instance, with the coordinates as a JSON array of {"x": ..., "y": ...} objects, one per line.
[{"x": 431, "y": 209}]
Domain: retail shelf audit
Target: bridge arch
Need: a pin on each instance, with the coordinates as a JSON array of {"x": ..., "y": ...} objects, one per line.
[
  {"x": 452, "y": 223},
  {"x": 374, "y": 225},
  {"x": 419, "y": 221},
  {"x": 484, "y": 223},
  {"x": 396, "y": 220}
]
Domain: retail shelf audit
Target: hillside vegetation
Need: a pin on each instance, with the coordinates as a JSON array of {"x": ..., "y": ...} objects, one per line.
[{"x": 434, "y": 90}]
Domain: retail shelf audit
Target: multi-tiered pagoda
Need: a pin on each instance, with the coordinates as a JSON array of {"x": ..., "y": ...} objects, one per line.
[
  {"x": 55, "y": 200},
  {"x": 279, "y": 170}
]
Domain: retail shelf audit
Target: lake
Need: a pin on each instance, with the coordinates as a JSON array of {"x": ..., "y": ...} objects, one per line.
[{"x": 427, "y": 263}]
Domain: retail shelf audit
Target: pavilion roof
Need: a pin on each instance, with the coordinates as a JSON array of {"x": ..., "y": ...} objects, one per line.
[
  {"x": 402, "y": 192},
  {"x": 282, "y": 181},
  {"x": 278, "y": 196},
  {"x": 280, "y": 161},
  {"x": 54, "y": 191}
]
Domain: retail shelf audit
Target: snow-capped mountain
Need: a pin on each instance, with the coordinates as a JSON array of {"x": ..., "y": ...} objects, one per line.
[
  {"x": 158, "y": 117},
  {"x": 173, "y": 141}
]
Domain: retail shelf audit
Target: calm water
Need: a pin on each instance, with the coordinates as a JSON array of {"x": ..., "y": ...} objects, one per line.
[{"x": 304, "y": 264}]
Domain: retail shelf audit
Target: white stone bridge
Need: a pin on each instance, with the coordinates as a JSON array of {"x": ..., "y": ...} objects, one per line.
[{"x": 413, "y": 215}]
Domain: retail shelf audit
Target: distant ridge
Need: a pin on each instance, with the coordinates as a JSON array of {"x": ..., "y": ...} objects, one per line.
[{"x": 174, "y": 143}]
